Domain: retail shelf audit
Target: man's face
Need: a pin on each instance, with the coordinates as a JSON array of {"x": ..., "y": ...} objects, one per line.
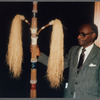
[{"x": 85, "y": 37}]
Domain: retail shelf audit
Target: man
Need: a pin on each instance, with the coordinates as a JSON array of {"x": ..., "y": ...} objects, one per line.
[
  {"x": 85, "y": 81},
  {"x": 84, "y": 66}
]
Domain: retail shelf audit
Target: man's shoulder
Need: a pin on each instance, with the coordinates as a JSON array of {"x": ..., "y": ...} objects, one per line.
[
  {"x": 96, "y": 50},
  {"x": 75, "y": 47},
  {"x": 97, "y": 47}
]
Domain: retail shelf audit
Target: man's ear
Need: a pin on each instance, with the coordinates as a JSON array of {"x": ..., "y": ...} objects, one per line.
[{"x": 93, "y": 36}]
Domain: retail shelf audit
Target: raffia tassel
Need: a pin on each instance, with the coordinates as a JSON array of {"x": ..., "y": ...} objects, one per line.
[
  {"x": 14, "y": 56},
  {"x": 56, "y": 58}
]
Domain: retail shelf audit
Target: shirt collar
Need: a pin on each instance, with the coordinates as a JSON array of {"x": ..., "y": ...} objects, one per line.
[{"x": 88, "y": 49}]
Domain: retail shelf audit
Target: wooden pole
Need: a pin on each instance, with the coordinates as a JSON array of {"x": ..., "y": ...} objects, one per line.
[{"x": 34, "y": 37}]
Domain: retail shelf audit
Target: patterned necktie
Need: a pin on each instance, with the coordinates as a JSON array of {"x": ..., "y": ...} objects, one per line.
[{"x": 81, "y": 60}]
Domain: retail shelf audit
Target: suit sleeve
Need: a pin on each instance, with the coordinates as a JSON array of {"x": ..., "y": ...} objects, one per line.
[{"x": 43, "y": 59}]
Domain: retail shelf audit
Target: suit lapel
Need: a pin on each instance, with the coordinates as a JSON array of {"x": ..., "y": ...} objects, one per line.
[{"x": 92, "y": 54}]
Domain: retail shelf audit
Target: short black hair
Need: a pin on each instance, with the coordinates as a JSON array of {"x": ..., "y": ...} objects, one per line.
[{"x": 95, "y": 30}]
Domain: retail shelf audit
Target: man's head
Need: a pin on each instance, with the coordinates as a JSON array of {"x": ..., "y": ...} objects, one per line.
[{"x": 88, "y": 33}]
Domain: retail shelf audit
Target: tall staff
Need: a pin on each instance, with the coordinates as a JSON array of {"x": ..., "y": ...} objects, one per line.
[
  {"x": 34, "y": 37},
  {"x": 14, "y": 55}
]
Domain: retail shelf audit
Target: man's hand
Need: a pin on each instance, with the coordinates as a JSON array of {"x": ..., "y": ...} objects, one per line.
[{"x": 38, "y": 50}]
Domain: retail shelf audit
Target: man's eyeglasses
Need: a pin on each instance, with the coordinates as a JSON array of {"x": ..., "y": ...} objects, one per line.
[{"x": 84, "y": 35}]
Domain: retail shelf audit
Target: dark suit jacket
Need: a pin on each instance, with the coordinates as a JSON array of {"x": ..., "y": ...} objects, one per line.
[{"x": 86, "y": 84}]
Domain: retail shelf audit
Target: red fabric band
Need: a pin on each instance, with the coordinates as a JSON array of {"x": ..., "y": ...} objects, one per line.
[{"x": 33, "y": 86}]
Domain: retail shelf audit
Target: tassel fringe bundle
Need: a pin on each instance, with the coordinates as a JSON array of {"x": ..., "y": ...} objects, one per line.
[
  {"x": 56, "y": 57},
  {"x": 14, "y": 56}
]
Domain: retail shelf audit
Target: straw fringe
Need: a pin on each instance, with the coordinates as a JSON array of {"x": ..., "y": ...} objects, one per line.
[
  {"x": 56, "y": 58},
  {"x": 14, "y": 56}
]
